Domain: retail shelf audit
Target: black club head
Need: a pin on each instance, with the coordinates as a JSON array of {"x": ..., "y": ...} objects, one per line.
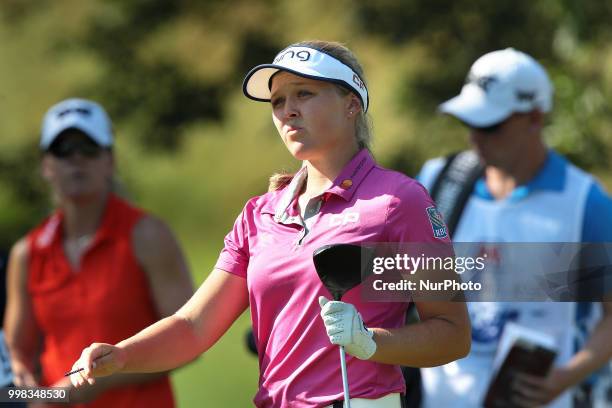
[{"x": 340, "y": 266}]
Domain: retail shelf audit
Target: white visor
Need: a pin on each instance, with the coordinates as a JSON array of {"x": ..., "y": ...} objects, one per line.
[
  {"x": 82, "y": 114},
  {"x": 308, "y": 63}
]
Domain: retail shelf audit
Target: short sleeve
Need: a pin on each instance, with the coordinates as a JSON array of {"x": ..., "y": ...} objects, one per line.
[
  {"x": 597, "y": 225},
  {"x": 234, "y": 257},
  {"x": 412, "y": 216}
]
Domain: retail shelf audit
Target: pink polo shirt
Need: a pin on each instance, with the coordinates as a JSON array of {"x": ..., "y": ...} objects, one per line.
[{"x": 271, "y": 246}]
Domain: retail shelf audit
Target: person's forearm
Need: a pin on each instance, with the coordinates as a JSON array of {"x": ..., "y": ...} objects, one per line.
[
  {"x": 163, "y": 346},
  {"x": 23, "y": 362},
  {"x": 22, "y": 359},
  {"x": 24, "y": 372},
  {"x": 23, "y": 347},
  {"x": 429, "y": 343},
  {"x": 595, "y": 353}
]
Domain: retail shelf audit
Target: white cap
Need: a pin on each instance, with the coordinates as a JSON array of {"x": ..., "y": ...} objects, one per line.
[
  {"x": 308, "y": 63},
  {"x": 84, "y": 115},
  {"x": 499, "y": 84}
]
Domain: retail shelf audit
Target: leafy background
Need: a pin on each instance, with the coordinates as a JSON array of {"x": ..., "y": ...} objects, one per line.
[{"x": 192, "y": 149}]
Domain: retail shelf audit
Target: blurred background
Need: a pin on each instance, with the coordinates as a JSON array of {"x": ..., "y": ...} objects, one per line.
[{"x": 192, "y": 149}]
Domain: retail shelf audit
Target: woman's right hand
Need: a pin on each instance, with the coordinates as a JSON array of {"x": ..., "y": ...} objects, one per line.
[
  {"x": 97, "y": 360},
  {"x": 22, "y": 377}
]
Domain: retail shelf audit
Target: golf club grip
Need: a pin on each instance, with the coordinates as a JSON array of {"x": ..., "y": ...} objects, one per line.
[{"x": 345, "y": 386}]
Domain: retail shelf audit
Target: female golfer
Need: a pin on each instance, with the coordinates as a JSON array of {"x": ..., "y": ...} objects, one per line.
[
  {"x": 319, "y": 101},
  {"x": 96, "y": 268}
]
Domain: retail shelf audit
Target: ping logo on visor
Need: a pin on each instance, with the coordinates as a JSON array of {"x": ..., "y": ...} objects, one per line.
[
  {"x": 308, "y": 63},
  {"x": 303, "y": 55}
]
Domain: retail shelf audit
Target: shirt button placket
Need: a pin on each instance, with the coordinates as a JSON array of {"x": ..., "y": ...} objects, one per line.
[{"x": 312, "y": 209}]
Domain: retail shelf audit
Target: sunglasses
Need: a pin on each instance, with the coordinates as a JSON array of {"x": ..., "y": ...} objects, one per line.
[{"x": 66, "y": 148}]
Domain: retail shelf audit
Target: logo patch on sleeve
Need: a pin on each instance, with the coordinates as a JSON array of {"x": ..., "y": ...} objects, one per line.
[{"x": 437, "y": 223}]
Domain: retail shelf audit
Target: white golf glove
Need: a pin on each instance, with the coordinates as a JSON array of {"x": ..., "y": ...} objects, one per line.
[{"x": 345, "y": 327}]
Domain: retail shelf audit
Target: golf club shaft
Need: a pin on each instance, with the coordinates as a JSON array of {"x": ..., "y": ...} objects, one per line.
[{"x": 347, "y": 398}]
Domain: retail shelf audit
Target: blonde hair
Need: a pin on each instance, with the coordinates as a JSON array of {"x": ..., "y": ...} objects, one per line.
[{"x": 363, "y": 127}]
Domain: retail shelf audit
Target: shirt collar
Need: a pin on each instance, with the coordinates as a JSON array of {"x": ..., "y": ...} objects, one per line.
[
  {"x": 551, "y": 177},
  {"x": 54, "y": 229},
  {"x": 107, "y": 228},
  {"x": 289, "y": 194},
  {"x": 352, "y": 175},
  {"x": 344, "y": 186}
]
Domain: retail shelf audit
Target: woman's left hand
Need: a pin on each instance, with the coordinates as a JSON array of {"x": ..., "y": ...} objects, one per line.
[
  {"x": 345, "y": 327},
  {"x": 532, "y": 391}
]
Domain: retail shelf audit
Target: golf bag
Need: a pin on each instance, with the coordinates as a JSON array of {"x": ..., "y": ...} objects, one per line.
[{"x": 450, "y": 191}]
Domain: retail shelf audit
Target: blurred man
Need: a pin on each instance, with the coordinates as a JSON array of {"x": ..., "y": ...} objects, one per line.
[{"x": 518, "y": 190}]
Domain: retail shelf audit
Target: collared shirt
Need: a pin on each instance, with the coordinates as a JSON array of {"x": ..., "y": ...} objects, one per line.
[
  {"x": 107, "y": 299},
  {"x": 561, "y": 203},
  {"x": 271, "y": 245},
  {"x": 551, "y": 177}
]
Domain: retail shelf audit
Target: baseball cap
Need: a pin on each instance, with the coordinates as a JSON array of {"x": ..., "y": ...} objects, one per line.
[
  {"x": 306, "y": 62},
  {"x": 82, "y": 114},
  {"x": 499, "y": 84}
]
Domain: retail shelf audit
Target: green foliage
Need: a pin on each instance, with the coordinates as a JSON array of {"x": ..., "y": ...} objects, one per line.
[
  {"x": 20, "y": 185},
  {"x": 565, "y": 36},
  {"x": 155, "y": 93}
]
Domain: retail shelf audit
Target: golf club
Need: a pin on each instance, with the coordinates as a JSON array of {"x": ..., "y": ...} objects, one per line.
[{"x": 340, "y": 268}]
